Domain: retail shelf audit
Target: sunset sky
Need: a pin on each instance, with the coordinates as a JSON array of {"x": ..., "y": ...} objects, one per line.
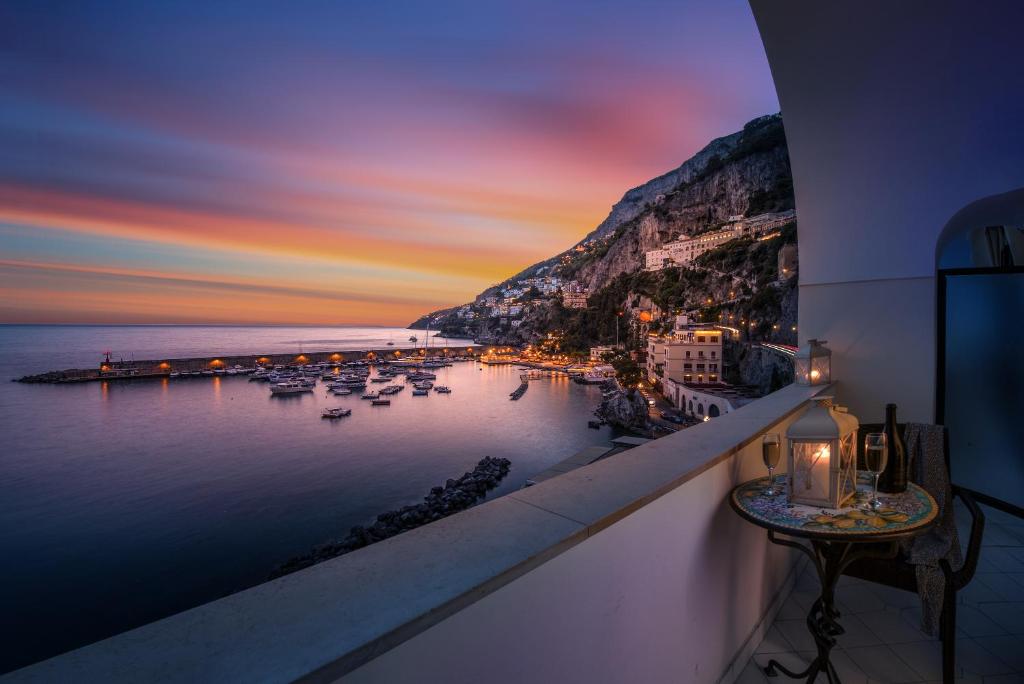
[{"x": 336, "y": 162}]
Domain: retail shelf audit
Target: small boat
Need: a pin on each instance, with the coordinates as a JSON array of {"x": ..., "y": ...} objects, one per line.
[
  {"x": 381, "y": 402},
  {"x": 441, "y": 389},
  {"x": 371, "y": 395},
  {"x": 380, "y": 379},
  {"x": 340, "y": 391},
  {"x": 289, "y": 388},
  {"x": 207, "y": 372},
  {"x": 174, "y": 374},
  {"x": 420, "y": 393},
  {"x": 336, "y": 412}
]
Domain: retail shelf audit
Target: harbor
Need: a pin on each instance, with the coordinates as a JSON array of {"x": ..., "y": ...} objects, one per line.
[{"x": 206, "y": 483}]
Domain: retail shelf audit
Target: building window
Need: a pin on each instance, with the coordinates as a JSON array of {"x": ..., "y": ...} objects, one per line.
[
  {"x": 700, "y": 354},
  {"x": 700, "y": 338},
  {"x": 712, "y": 354},
  {"x": 712, "y": 366},
  {"x": 712, "y": 378},
  {"x": 687, "y": 378},
  {"x": 687, "y": 366},
  {"x": 714, "y": 339},
  {"x": 700, "y": 409},
  {"x": 700, "y": 366},
  {"x": 700, "y": 379},
  {"x": 687, "y": 354}
]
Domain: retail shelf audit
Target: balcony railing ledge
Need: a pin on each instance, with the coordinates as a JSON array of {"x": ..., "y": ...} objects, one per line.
[{"x": 323, "y": 622}]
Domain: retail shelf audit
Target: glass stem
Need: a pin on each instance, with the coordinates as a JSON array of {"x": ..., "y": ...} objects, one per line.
[
  {"x": 874, "y": 489},
  {"x": 771, "y": 480}
]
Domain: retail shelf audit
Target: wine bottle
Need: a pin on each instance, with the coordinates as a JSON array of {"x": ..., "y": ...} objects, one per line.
[{"x": 894, "y": 478}]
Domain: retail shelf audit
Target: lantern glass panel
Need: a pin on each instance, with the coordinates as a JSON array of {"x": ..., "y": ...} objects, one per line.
[
  {"x": 821, "y": 371},
  {"x": 810, "y": 474}
]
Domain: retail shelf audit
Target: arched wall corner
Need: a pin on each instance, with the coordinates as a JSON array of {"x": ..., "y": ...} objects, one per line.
[
  {"x": 1003, "y": 209},
  {"x": 897, "y": 116}
]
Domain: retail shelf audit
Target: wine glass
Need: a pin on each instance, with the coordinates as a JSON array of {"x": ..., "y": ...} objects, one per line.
[
  {"x": 876, "y": 455},
  {"x": 770, "y": 453}
]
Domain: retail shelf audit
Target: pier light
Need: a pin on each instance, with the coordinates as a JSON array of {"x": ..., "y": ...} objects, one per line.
[
  {"x": 812, "y": 364},
  {"x": 165, "y": 366},
  {"x": 216, "y": 362},
  {"x": 104, "y": 367},
  {"x": 263, "y": 359},
  {"x": 398, "y": 354},
  {"x": 335, "y": 357},
  {"x": 302, "y": 358},
  {"x": 822, "y": 456}
]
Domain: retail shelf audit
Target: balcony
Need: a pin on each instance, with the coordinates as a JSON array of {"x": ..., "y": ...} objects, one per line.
[{"x": 629, "y": 569}]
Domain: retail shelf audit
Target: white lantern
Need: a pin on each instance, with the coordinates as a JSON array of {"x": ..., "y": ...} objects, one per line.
[
  {"x": 822, "y": 456},
  {"x": 812, "y": 364}
]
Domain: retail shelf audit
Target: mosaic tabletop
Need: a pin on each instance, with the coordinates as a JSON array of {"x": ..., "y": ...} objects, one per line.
[{"x": 901, "y": 515}]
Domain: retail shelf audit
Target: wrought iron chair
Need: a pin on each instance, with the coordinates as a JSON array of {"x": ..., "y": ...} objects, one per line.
[{"x": 900, "y": 574}]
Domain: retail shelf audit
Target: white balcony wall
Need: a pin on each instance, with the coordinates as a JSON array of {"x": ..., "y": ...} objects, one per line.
[
  {"x": 676, "y": 591},
  {"x": 897, "y": 115}
]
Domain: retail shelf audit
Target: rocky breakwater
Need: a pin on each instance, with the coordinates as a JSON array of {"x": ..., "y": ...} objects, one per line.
[
  {"x": 626, "y": 409},
  {"x": 456, "y": 495}
]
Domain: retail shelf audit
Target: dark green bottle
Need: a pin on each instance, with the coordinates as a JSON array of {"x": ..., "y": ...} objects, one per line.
[{"x": 894, "y": 478}]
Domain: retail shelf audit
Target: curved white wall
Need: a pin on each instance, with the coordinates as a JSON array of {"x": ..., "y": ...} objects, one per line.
[{"x": 898, "y": 114}]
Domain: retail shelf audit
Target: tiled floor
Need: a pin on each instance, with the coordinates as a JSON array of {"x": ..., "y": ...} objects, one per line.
[{"x": 883, "y": 641}]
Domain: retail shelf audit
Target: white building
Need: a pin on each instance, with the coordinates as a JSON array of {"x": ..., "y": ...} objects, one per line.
[
  {"x": 690, "y": 355},
  {"x": 685, "y": 249},
  {"x": 597, "y": 353}
]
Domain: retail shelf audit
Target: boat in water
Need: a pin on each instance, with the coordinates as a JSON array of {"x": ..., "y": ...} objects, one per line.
[
  {"x": 336, "y": 413},
  {"x": 340, "y": 391},
  {"x": 442, "y": 389},
  {"x": 290, "y": 387},
  {"x": 420, "y": 393},
  {"x": 371, "y": 395},
  {"x": 381, "y": 402}
]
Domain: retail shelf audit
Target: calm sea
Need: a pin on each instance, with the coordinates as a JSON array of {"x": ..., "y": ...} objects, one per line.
[{"x": 126, "y": 502}]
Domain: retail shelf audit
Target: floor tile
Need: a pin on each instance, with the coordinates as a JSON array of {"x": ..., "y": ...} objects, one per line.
[
  {"x": 774, "y": 642},
  {"x": 751, "y": 674},
  {"x": 881, "y": 664},
  {"x": 797, "y": 634},
  {"x": 1005, "y": 679},
  {"x": 890, "y": 627},
  {"x": 1009, "y": 616},
  {"x": 973, "y": 658},
  {"x": 791, "y": 610},
  {"x": 1002, "y": 585},
  {"x": 923, "y": 657},
  {"x": 796, "y": 662},
  {"x": 1009, "y": 649},
  {"x": 849, "y": 672},
  {"x": 857, "y": 632},
  {"x": 858, "y": 599},
  {"x": 973, "y": 622}
]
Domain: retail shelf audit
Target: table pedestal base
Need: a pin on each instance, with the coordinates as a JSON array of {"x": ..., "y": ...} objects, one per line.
[{"x": 829, "y": 558}]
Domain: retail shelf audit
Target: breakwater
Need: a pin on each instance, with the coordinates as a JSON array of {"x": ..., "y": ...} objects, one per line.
[
  {"x": 162, "y": 368},
  {"x": 524, "y": 384},
  {"x": 456, "y": 495}
]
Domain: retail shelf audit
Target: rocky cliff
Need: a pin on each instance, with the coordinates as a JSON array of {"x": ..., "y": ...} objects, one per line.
[{"x": 746, "y": 173}]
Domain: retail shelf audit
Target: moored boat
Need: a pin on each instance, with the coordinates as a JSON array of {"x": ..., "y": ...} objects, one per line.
[
  {"x": 289, "y": 388},
  {"x": 336, "y": 412},
  {"x": 381, "y": 402}
]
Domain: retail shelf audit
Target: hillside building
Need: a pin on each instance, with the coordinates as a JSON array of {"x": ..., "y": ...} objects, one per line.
[
  {"x": 690, "y": 355},
  {"x": 574, "y": 296}
]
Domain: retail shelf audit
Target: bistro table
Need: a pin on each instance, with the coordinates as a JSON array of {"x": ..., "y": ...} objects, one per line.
[{"x": 836, "y": 539}]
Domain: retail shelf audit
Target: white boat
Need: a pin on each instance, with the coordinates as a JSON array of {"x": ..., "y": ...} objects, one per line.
[
  {"x": 371, "y": 395},
  {"x": 340, "y": 391},
  {"x": 336, "y": 412},
  {"x": 441, "y": 389},
  {"x": 289, "y": 388}
]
